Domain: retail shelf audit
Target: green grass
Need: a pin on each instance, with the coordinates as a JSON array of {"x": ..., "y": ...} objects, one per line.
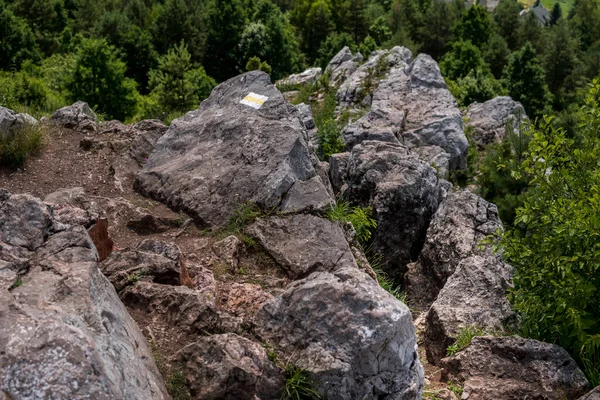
[
  {"x": 456, "y": 389},
  {"x": 299, "y": 385},
  {"x": 15, "y": 151},
  {"x": 463, "y": 339},
  {"x": 177, "y": 386},
  {"x": 359, "y": 217},
  {"x": 18, "y": 282},
  {"x": 376, "y": 262}
]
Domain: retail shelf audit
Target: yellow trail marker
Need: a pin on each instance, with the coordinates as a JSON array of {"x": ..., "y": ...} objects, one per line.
[{"x": 254, "y": 100}]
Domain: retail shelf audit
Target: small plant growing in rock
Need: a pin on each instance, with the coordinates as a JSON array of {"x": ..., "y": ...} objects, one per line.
[
  {"x": 359, "y": 217},
  {"x": 463, "y": 339},
  {"x": 136, "y": 277},
  {"x": 15, "y": 149},
  {"x": 299, "y": 385},
  {"x": 456, "y": 389},
  {"x": 376, "y": 262},
  {"x": 18, "y": 282},
  {"x": 177, "y": 386}
]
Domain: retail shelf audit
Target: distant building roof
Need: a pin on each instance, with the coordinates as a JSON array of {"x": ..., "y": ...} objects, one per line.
[{"x": 540, "y": 12}]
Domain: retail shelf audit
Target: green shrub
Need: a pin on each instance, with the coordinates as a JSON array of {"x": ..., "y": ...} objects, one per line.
[
  {"x": 15, "y": 150},
  {"x": 359, "y": 217},
  {"x": 255, "y": 64},
  {"x": 299, "y": 385}
]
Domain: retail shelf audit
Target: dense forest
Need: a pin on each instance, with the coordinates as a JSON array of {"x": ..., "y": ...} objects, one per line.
[
  {"x": 156, "y": 58},
  {"x": 138, "y": 59}
]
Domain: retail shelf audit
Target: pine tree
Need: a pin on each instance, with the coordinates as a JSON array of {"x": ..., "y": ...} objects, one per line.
[
  {"x": 555, "y": 14},
  {"x": 475, "y": 26}
]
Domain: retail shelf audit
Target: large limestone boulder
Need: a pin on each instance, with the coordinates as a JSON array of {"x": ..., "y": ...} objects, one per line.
[
  {"x": 228, "y": 366},
  {"x": 78, "y": 116},
  {"x": 511, "y": 368},
  {"x": 413, "y": 106},
  {"x": 357, "y": 89},
  {"x": 404, "y": 193},
  {"x": 356, "y": 340},
  {"x": 474, "y": 296},
  {"x": 455, "y": 233},
  {"x": 489, "y": 119},
  {"x": 342, "y": 65},
  {"x": 227, "y": 153},
  {"x": 63, "y": 331},
  {"x": 306, "y": 77},
  {"x": 12, "y": 122}
]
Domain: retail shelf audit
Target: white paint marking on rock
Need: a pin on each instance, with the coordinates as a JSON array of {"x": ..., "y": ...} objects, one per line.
[{"x": 254, "y": 100}]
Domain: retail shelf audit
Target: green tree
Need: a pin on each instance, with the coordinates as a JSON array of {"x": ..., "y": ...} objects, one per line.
[
  {"x": 17, "y": 42},
  {"x": 437, "y": 33},
  {"x": 508, "y": 20},
  {"x": 475, "y": 26},
  {"x": 225, "y": 23},
  {"x": 584, "y": 17},
  {"x": 560, "y": 59},
  {"x": 255, "y": 64},
  {"x": 526, "y": 81},
  {"x": 555, "y": 253},
  {"x": 531, "y": 31},
  {"x": 177, "y": 84},
  {"x": 332, "y": 45},
  {"x": 555, "y": 14},
  {"x": 496, "y": 53},
  {"x": 479, "y": 85},
  {"x": 47, "y": 19},
  {"x": 357, "y": 23},
  {"x": 317, "y": 26},
  {"x": 462, "y": 59},
  {"x": 380, "y": 31},
  {"x": 99, "y": 79}
]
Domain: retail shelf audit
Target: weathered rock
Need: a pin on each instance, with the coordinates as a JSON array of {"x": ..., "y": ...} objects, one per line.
[
  {"x": 456, "y": 230},
  {"x": 71, "y": 206},
  {"x": 78, "y": 116},
  {"x": 302, "y": 243},
  {"x": 12, "y": 122},
  {"x": 356, "y": 340},
  {"x": 436, "y": 157},
  {"x": 475, "y": 295},
  {"x": 101, "y": 239},
  {"x": 338, "y": 168},
  {"x": 229, "y": 366},
  {"x": 489, "y": 119},
  {"x": 14, "y": 262},
  {"x": 342, "y": 65},
  {"x": 307, "y": 77},
  {"x": 413, "y": 106},
  {"x": 306, "y": 115},
  {"x": 154, "y": 260},
  {"x": 24, "y": 220},
  {"x": 241, "y": 299},
  {"x": 306, "y": 196},
  {"x": 360, "y": 84},
  {"x": 513, "y": 368},
  {"x": 229, "y": 250},
  {"x": 593, "y": 395},
  {"x": 208, "y": 163},
  {"x": 404, "y": 193},
  {"x": 322, "y": 170},
  {"x": 65, "y": 334},
  {"x": 148, "y": 133}
]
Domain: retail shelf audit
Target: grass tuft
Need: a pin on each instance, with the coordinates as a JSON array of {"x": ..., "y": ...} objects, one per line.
[
  {"x": 359, "y": 217},
  {"x": 299, "y": 385},
  {"x": 463, "y": 338},
  {"x": 15, "y": 150}
]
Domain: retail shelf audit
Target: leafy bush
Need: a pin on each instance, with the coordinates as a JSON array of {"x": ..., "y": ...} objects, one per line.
[
  {"x": 15, "y": 150},
  {"x": 359, "y": 217},
  {"x": 254, "y": 64},
  {"x": 556, "y": 253},
  {"x": 299, "y": 385}
]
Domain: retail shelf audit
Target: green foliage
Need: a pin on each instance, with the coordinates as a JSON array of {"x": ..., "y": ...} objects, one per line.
[
  {"x": 556, "y": 253},
  {"x": 508, "y": 20},
  {"x": 463, "y": 338},
  {"x": 555, "y": 14},
  {"x": 474, "y": 26},
  {"x": 526, "y": 80},
  {"x": 99, "y": 79},
  {"x": 177, "y": 386},
  {"x": 330, "y": 140},
  {"x": 359, "y": 217},
  {"x": 477, "y": 86},
  {"x": 177, "y": 84},
  {"x": 15, "y": 149},
  {"x": 17, "y": 42},
  {"x": 332, "y": 45},
  {"x": 18, "y": 282},
  {"x": 462, "y": 59},
  {"x": 299, "y": 385},
  {"x": 376, "y": 261},
  {"x": 255, "y": 64},
  {"x": 456, "y": 389}
]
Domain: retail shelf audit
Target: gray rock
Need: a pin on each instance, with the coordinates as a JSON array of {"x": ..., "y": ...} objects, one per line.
[
  {"x": 361, "y": 83},
  {"x": 322, "y": 170},
  {"x": 338, "y": 168},
  {"x": 437, "y": 157},
  {"x": 511, "y": 368},
  {"x": 342, "y": 65},
  {"x": 413, "y": 106},
  {"x": 404, "y": 193},
  {"x": 307, "y": 77},
  {"x": 79, "y": 116},
  {"x": 489, "y": 119},
  {"x": 148, "y": 133},
  {"x": 356, "y": 340},
  {"x": 307, "y": 196},
  {"x": 593, "y": 395},
  {"x": 64, "y": 333},
  {"x": 12, "y": 122},
  {"x": 306, "y": 115},
  {"x": 227, "y": 153},
  {"x": 456, "y": 230},
  {"x": 229, "y": 366},
  {"x": 24, "y": 220},
  {"x": 229, "y": 250},
  {"x": 475, "y": 295},
  {"x": 71, "y": 206},
  {"x": 302, "y": 244}
]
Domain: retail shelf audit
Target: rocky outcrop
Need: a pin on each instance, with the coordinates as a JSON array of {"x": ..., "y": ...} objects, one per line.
[
  {"x": 511, "y": 368},
  {"x": 303, "y": 244},
  {"x": 593, "y": 395},
  {"x": 488, "y": 120},
  {"x": 63, "y": 331},
  {"x": 413, "y": 106},
  {"x": 147, "y": 133},
  {"x": 356, "y": 340},
  {"x": 12, "y": 122},
  {"x": 307, "y": 77},
  {"x": 404, "y": 193},
  {"x": 342, "y": 65},
  {"x": 474, "y": 296},
  {"x": 72, "y": 207},
  {"x": 229, "y": 366},
  {"x": 78, "y": 116},
  {"x": 357, "y": 89},
  {"x": 455, "y": 233},
  {"x": 208, "y": 162},
  {"x": 310, "y": 195}
]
